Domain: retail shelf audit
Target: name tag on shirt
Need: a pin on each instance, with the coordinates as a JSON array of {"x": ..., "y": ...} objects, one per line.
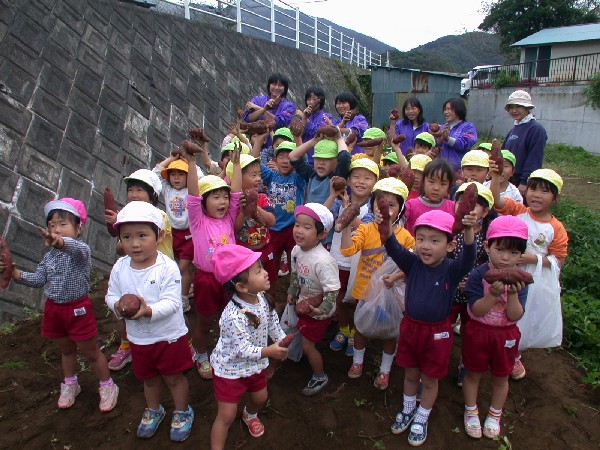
[
  {"x": 442, "y": 335},
  {"x": 510, "y": 343},
  {"x": 80, "y": 311}
]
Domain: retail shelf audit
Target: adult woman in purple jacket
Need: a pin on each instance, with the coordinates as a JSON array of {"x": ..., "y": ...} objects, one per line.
[
  {"x": 275, "y": 105},
  {"x": 412, "y": 123},
  {"x": 457, "y": 135}
]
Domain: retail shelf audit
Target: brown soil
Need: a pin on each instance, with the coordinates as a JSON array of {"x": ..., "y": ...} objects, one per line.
[
  {"x": 549, "y": 409},
  {"x": 583, "y": 191}
]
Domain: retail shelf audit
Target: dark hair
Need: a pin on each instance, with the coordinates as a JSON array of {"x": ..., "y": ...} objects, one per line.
[
  {"x": 449, "y": 236},
  {"x": 151, "y": 225},
  {"x": 512, "y": 243},
  {"x": 459, "y": 107},
  {"x": 149, "y": 189},
  {"x": 533, "y": 183},
  {"x": 422, "y": 142},
  {"x": 346, "y": 97},
  {"x": 62, "y": 214},
  {"x": 225, "y": 154},
  {"x": 440, "y": 167},
  {"x": 398, "y": 198},
  {"x": 274, "y": 78},
  {"x": 206, "y": 194},
  {"x": 413, "y": 101},
  {"x": 316, "y": 91}
]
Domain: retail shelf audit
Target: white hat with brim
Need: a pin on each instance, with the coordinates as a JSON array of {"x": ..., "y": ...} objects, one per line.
[
  {"x": 139, "y": 212},
  {"x": 520, "y": 98}
]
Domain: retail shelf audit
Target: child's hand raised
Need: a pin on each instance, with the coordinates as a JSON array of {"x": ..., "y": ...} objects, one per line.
[
  {"x": 110, "y": 216},
  {"x": 235, "y": 154},
  {"x": 51, "y": 239},
  {"x": 470, "y": 220},
  {"x": 494, "y": 167}
]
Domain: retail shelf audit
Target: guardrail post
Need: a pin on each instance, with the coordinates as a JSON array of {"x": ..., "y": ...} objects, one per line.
[
  {"x": 316, "y": 38},
  {"x": 329, "y": 52},
  {"x": 341, "y": 46},
  {"x": 352, "y": 51},
  {"x": 297, "y": 28},
  {"x": 186, "y": 9},
  {"x": 238, "y": 16},
  {"x": 574, "y": 69},
  {"x": 272, "y": 20}
]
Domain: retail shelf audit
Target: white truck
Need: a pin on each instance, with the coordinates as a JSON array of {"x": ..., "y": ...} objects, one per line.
[{"x": 482, "y": 74}]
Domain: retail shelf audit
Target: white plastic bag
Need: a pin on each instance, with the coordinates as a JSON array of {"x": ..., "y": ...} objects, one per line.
[
  {"x": 541, "y": 326},
  {"x": 378, "y": 316},
  {"x": 288, "y": 322}
]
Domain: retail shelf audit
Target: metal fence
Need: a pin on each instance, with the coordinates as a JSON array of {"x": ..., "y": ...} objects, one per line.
[
  {"x": 546, "y": 72},
  {"x": 278, "y": 22}
]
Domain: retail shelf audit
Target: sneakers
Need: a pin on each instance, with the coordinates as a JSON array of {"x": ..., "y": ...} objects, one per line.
[
  {"x": 472, "y": 424},
  {"x": 108, "y": 397},
  {"x": 120, "y": 359},
  {"x": 314, "y": 386},
  {"x": 518, "y": 371},
  {"x": 461, "y": 375},
  {"x": 181, "y": 424},
  {"x": 403, "y": 421},
  {"x": 350, "y": 347},
  {"x": 185, "y": 304},
  {"x": 339, "y": 342},
  {"x": 255, "y": 426},
  {"x": 355, "y": 371},
  {"x": 150, "y": 422},
  {"x": 382, "y": 380},
  {"x": 418, "y": 434},
  {"x": 68, "y": 392},
  {"x": 491, "y": 427},
  {"x": 204, "y": 369},
  {"x": 283, "y": 266}
]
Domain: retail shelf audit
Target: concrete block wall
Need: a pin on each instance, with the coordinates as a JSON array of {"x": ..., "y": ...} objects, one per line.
[{"x": 91, "y": 90}]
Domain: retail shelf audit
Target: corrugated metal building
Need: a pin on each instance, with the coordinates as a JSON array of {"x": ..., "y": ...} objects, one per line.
[{"x": 390, "y": 86}]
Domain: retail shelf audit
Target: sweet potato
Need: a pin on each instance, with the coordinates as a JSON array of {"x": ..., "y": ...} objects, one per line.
[
  {"x": 406, "y": 174},
  {"x": 198, "y": 134},
  {"x": 129, "y": 305},
  {"x": 111, "y": 205},
  {"x": 258, "y": 127},
  {"x": 395, "y": 114},
  {"x": 383, "y": 173},
  {"x": 297, "y": 126},
  {"x": 327, "y": 131},
  {"x": 508, "y": 276},
  {"x": 399, "y": 139},
  {"x": 347, "y": 216},
  {"x": 302, "y": 308},
  {"x": 351, "y": 139},
  {"x": 190, "y": 148},
  {"x": 7, "y": 262},
  {"x": 466, "y": 204},
  {"x": 435, "y": 152},
  {"x": 496, "y": 155},
  {"x": 339, "y": 183},
  {"x": 286, "y": 341},
  {"x": 434, "y": 127},
  {"x": 384, "y": 210},
  {"x": 251, "y": 205},
  {"x": 370, "y": 142}
]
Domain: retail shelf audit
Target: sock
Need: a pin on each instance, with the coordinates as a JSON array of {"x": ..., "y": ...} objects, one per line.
[
  {"x": 495, "y": 413},
  {"x": 200, "y": 357},
  {"x": 319, "y": 376},
  {"x": 359, "y": 356},
  {"x": 124, "y": 345},
  {"x": 386, "y": 362},
  {"x": 345, "y": 330},
  {"x": 248, "y": 415},
  {"x": 422, "y": 415},
  {"x": 410, "y": 402},
  {"x": 107, "y": 383},
  {"x": 71, "y": 381}
]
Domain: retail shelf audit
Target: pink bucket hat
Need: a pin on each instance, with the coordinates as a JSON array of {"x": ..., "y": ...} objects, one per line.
[
  {"x": 439, "y": 220},
  {"x": 318, "y": 212},
  {"x": 74, "y": 206},
  {"x": 508, "y": 226},
  {"x": 230, "y": 260}
]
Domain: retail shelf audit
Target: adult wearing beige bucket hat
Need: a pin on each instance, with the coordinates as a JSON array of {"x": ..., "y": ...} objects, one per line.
[{"x": 526, "y": 140}]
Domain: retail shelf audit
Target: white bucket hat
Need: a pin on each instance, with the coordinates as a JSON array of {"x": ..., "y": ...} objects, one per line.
[
  {"x": 520, "y": 98},
  {"x": 148, "y": 177},
  {"x": 139, "y": 212}
]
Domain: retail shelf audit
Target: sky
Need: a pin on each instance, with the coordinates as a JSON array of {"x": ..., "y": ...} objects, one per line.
[{"x": 401, "y": 24}]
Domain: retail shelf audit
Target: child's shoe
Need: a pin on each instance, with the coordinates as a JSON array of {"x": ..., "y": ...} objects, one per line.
[
  {"x": 472, "y": 423},
  {"x": 181, "y": 424},
  {"x": 283, "y": 267},
  {"x": 350, "y": 347},
  {"x": 418, "y": 434},
  {"x": 491, "y": 426},
  {"x": 68, "y": 392},
  {"x": 382, "y": 380},
  {"x": 518, "y": 371},
  {"x": 120, "y": 359},
  {"x": 403, "y": 421},
  {"x": 355, "y": 371},
  {"x": 339, "y": 342},
  {"x": 255, "y": 426},
  {"x": 315, "y": 385},
  {"x": 204, "y": 369},
  {"x": 108, "y": 397},
  {"x": 150, "y": 422},
  {"x": 185, "y": 304}
]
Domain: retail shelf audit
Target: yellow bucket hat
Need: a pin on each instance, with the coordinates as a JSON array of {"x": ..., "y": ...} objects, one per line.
[
  {"x": 210, "y": 183},
  {"x": 231, "y": 146},
  {"x": 365, "y": 163},
  {"x": 482, "y": 191},
  {"x": 418, "y": 162},
  {"x": 549, "y": 175},
  {"x": 476, "y": 158},
  {"x": 178, "y": 164},
  {"x": 245, "y": 161},
  {"x": 393, "y": 186}
]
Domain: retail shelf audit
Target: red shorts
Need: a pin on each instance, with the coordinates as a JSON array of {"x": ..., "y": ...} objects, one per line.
[
  {"x": 459, "y": 309},
  {"x": 425, "y": 345},
  {"x": 161, "y": 358},
  {"x": 269, "y": 263},
  {"x": 344, "y": 278},
  {"x": 282, "y": 240},
  {"x": 313, "y": 329},
  {"x": 74, "y": 320},
  {"x": 230, "y": 390},
  {"x": 487, "y": 347},
  {"x": 183, "y": 246},
  {"x": 209, "y": 295}
]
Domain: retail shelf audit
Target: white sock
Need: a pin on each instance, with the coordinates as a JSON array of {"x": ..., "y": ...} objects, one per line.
[
  {"x": 410, "y": 402},
  {"x": 200, "y": 357},
  {"x": 422, "y": 415},
  {"x": 386, "y": 362},
  {"x": 359, "y": 356}
]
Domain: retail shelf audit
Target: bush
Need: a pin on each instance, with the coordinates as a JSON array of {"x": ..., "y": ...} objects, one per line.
[
  {"x": 506, "y": 78},
  {"x": 592, "y": 92}
]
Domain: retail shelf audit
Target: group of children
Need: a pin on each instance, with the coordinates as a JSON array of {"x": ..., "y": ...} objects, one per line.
[{"x": 231, "y": 256}]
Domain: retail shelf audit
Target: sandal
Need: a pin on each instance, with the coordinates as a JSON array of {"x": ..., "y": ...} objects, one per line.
[
  {"x": 472, "y": 424},
  {"x": 491, "y": 427},
  {"x": 255, "y": 426},
  {"x": 382, "y": 380}
]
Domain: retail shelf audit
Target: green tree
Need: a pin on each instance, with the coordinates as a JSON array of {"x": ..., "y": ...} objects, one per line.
[{"x": 514, "y": 20}]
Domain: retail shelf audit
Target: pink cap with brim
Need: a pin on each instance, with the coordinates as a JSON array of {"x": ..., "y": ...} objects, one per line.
[
  {"x": 231, "y": 260},
  {"x": 508, "y": 226},
  {"x": 439, "y": 220},
  {"x": 72, "y": 205},
  {"x": 318, "y": 212}
]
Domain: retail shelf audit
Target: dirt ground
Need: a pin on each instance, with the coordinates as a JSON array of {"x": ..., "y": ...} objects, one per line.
[
  {"x": 549, "y": 409},
  {"x": 583, "y": 191}
]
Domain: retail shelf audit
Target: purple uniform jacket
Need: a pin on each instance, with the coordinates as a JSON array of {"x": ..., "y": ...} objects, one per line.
[
  {"x": 405, "y": 127},
  {"x": 466, "y": 136}
]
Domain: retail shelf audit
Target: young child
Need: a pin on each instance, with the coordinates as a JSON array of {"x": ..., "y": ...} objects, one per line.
[
  {"x": 424, "y": 142},
  {"x": 425, "y": 341},
  {"x": 417, "y": 163},
  {"x": 268, "y": 154},
  {"x": 367, "y": 241},
  {"x": 348, "y": 121},
  {"x": 475, "y": 165},
  {"x": 314, "y": 272},
  {"x": 313, "y": 116},
  {"x": 363, "y": 176},
  {"x": 491, "y": 336},
  {"x": 547, "y": 236},
  {"x": 438, "y": 176},
  {"x": 68, "y": 312},
  {"x": 213, "y": 207},
  {"x": 507, "y": 189},
  {"x": 242, "y": 353},
  {"x": 157, "y": 332},
  {"x": 374, "y": 152}
]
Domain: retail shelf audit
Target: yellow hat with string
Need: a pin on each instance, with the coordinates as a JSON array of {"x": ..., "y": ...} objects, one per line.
[{"x": 393, "y": 186}]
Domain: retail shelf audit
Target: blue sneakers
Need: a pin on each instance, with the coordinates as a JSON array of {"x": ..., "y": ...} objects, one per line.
[
  {"x": 403, "y": 421},
  {"x": 339, "y": 342},
  {"x": 350, "y": 347},
  {"x": 418, "y": 434},
  {"x": 181, "y": 424},
  {"x": 150, "y": 422}
]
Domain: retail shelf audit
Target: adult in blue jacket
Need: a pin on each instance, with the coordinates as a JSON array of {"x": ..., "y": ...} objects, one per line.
[
  {"x": 526, "y": 139},
  {"x": 275, "y": 105},
  {"x": 457, "y": 135},
  {"x": 412, "y": 123}
]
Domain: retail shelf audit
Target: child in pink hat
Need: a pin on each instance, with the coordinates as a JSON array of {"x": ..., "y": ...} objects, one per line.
[
  {"x": 425, "y": 341},
  {"x": 241, "y": 356}
]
